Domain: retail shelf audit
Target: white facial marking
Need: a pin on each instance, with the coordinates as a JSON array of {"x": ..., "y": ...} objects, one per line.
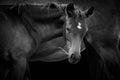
[{"x": 79, "y": 26}]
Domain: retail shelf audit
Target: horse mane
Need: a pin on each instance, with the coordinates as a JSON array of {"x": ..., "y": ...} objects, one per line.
[{"x": 42, "y": 10}]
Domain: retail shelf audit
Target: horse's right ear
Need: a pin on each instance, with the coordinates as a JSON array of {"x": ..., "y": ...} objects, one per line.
[
  {"x": 89, "y": 11},
  {"x": 70, "y": 10}
]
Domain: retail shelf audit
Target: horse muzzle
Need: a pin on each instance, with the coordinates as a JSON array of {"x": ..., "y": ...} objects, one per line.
[{"x": 75, "y": 47}]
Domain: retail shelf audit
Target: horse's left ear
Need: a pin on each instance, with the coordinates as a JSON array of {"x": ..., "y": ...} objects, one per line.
[
  {"x": 70, "y": 9},
  {"x": 89, "y": 11}
]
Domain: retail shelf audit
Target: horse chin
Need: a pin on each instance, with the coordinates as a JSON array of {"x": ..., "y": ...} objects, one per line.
[{"x": 74, "y": 50}]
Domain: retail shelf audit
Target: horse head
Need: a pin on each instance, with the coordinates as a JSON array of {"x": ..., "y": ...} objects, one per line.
[{"x": 75, "y": 30}]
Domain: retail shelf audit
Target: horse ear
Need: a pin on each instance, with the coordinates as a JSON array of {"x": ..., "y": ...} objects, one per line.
[
  {"x": 89, "y": 11},
  {"x": 70, "y": 9}
]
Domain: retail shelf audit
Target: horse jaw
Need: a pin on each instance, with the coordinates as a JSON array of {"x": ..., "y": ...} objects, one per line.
[{"x": 74, "y": 49}]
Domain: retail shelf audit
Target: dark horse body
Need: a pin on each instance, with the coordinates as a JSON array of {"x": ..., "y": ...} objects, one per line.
[{"x": 24, "y": 32}]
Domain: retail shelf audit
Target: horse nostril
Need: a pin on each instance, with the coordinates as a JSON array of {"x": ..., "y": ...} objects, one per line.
[{"x": 74, "y": 59}]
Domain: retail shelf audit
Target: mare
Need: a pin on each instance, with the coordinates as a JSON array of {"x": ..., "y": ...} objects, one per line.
[{"x": 29, "y": 33}]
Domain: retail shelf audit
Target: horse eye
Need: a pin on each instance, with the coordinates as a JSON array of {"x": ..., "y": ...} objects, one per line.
[
  {"x": 68, "y": 29},
  {"x": 79, "y": 26}
]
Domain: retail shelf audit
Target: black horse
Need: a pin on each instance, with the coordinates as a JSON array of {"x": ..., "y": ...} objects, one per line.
[{"x": 39, "y": 33}]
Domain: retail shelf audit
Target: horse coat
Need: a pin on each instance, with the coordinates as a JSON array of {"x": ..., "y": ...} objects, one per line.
[{"x": 26, "y": 36}]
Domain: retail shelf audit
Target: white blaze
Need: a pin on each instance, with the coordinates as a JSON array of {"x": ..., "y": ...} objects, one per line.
[{"x": 79, "y": 26}]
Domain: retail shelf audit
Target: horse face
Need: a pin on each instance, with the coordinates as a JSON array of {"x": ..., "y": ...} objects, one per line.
[{"x": 76, "y": 29}]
